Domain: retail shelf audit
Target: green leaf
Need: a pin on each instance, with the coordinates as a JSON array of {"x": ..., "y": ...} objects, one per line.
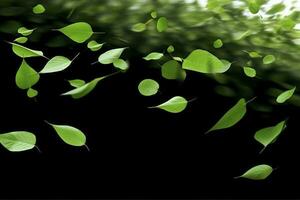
[
  {"x": 254, "y": 54},
  {"x": 148, "y": 87},
  {"x": 177, "y": 59},
  {"x": 153, "y": 56},
  {"x": 276, "y": 9},
  {"x": 259, "y": 172},
  {"x": 139, "y": 27},
  {"x": 218, "y": 43},
  {"x": 287, "y": 24},
  {"x": 24, "y": 31},
  {"x": 172, "y": 70},
  {"x": 70, "y": 135},
  {"x": 154, "y": 14},
  {"x": 170, "y": 49},
  {"x": 21, "y": 40},
  {"x": 78, "y": 32},
  {"x": 77, "y": 83},
  {"x": 269, "y": 59},
  {"x": 283, "y": 97},
  {"x": 253, "y": 6},
  {"x": 38, "y": 9},
  {"x": 56, "y": 64},
  {"x": 231, "y": 117},
  {"x": 94, "y": 46},
  {"x": 25, "y": 52},
  {"x": 18, "y": 141},
  {"x": 204, "y": 62},
  {"x": 175, "y": 105},
  {"x": 250, "y": 72},
  {"x": 268, "y": 135},
  {"x": 110, "y": 56},
  {"x": 162, "y": 24},
  {"x": 121, "y": 64},
  {"x": 26, "y": 76},
  {"x": 32, "y": 93}
]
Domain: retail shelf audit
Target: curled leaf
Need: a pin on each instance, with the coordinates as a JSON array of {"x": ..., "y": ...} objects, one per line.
[{"x": 259, "y": 172}]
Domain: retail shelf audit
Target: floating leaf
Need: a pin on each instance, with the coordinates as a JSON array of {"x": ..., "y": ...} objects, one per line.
[
  {"x": 269, "y": 59},
  {"x": 21, "y": 40},
  {"x": 175, "y": 105},
  {"x": 148, "y": 87},
  {"x": 154, "y": 15},
  {"x": 259, "y": 172},
  {"x": 154, "y": 56},
  {"x": 283, "y": 97},
  {"x": 170, "y": 49},
  {"x": 121, "y": 64},
  {"x": 162, "y": 24},
  {"x": 231, "y": 117},
  {"x": 78, "y": 32},
  {"x": 18, "y": 141},
  {"x": 56, "y": 64},
  {"x": 38, "y": 9},
  {"x": 253, "y": 6},
  {"x": 205, "y": 62},
  {"x": 94, "y": 46},
  {"x": 77, "y": 83},
  {"x": 177, "y": 59},
  {"x": 172, "y": 70},
  {"x": 254, "y": 54},
  {"x": 276, "y": 9},
  {"x": 26, "y": 77},
  {"x": 110, "y": 56},
  {"x": 218, "y": 43},
  {"x": 25, "y": 52},
  {"x": 70, "y": 135},
  {"x": 139, "y": 27},
  {"x": 32, "y": 93},
  {"x": 287, "y": 23},
  {"x": 24, "y": 31},
  {"x": 249, "y": 71}
]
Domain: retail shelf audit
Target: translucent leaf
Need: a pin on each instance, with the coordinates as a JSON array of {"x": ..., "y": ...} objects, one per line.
[
  {"x": 21, "y": 40},
  {"x": 175, "y": 105},
  {"x": 148, "y": 87},
  {"x": 25, "y": 52},
  {"x": 110, "y": 56},
  {"x": 18, "y": 141},
  {"x": 283, "y": 97},
  {"x": 276, "y": 9},
  {"x": 250, "y": 72},
  {"x": 94, "y": 46},
  {"x": 139, "y": 27},
  {"x": 177, "y": 59},
  {"x": 162, "y": 24},
  {"x": 32, "y": 93},
  {"x": 153, "y": 56},
  {"x": 204, "y": 62},
  {"x": 170, "y": 49},
  {"x": 121, "y": 64},
  {"x": 154, "y": 14},
  {"x": 38, "y": 9},
  {"x": 26, "y": 76},
  {"x": 254, "y": 54},
  {"x": 24, "y": 31},
  {"x": 172, "y": 70},
  {"x": 78, "y": 32},
  {"x": 218, "y": 43},
  {"x": 269, "y": 59},
  {"x": 77, "y": 83},
  {"x": 56, "y": 64},
  {"x": 259, "y": 172},
  {"x": 231, "y": 117}
]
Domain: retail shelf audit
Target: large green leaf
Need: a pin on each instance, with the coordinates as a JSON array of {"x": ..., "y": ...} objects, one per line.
[
  {"x": 18, "y": 141},
  {"x": 25, "y": 52},
  {"x": 259, "y": 172},
  {"x": 148, "y": 87},
  {"x": 78, "y": 32},
  {"x": 56, "y": 64},
  {"x": 26, "y": 76},
  {"x": 174, "y": 105},
  {"x": 110, "y": 56}
]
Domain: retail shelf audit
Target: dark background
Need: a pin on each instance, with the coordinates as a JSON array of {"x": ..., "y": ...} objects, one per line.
[{"x": 136, "y": 152}]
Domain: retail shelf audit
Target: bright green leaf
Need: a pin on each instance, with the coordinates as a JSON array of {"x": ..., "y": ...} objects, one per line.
[
  {"x": 18, "y": 141},
  {"x": 78, "y": 32},
  {"x": 153, "y": 56},
  {"x": 110, "y": 56},
  {"x": 38, "y": 9},
  {"x": 170, "y": 49},
  {"x": 276, "y": 9},
  {"x": 77, "y": 83},
  {"x": 250, "y": 72},
  {"x": 218, "y": 43},
  {"x": 154, "y": 14},
  {"x": 32, "y": 93},
  {"x": 148, "y": 87},
  {"x": 56, "y": 64},
  {"x": 254, "y": 54},
  {"x": 26, "y": 76},
  {"x": 259, "y": 172},
  {"x": 94, "y": 46},
  {"x": 283, "y": 97},
  {"x": 269, "y": 59},
  {"x": 253, "y": 6},
  {"x": 139, "y": 27},
  {"x": 175, "y": 105},
  {"x": 121, "y": 64},
  {"x": 24, "y": 31},
  {"x": 25, "y": 52},
  {"x": 172, "y": 70},
  {"x": 162, "y": 24},
  {"x": 21, "y": 40}
]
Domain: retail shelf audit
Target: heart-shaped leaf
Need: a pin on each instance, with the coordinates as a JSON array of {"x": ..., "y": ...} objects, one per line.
[
  {"x": 259, "y": 172},
  {"x": 175, "y": 105},
  {"x": 18, "y": 141},
  {"x": 32, "y": 93},
  {"x": 56, "y": 64},
  {"x": 26, "y": 76},
  {"x": 148, "y": 87},
  {"x": 78, "y": 32}
]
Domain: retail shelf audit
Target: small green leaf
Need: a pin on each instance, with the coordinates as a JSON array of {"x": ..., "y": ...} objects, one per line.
[
  {"x": 139, "y": 27},
  {"x": 276, "y": 9},
  {"x": 287, "y": 24},
  {"x": 175, "y": 105},
  {"x": 204, "y": 62},
  {"x": 269, "y": 59},
  {"x": 250, "y": 72},
  {"x": 38, "y": 9},
  {"x": 259, "y": 172},
  {"x": 110, "y": 56},
  {"x": 148, "y": 87},
  {"x": 25, "y": 52},
  {"x": 18, "y": 141},
  {"x": 121, "y": 64},
  {"x": 56, "y": 64},
  {"x": 231, "y": 117},
  {"x": 177, "y": 59},
  {"x": 283, "y": 97},
  {"x": 154, "y": 14},
  {"x": 26, "y": 77},
  {"x": 78, "y": 32},
  {"x": 162, "y": 24},
  {"x": 70, "y": 135},
  {"x": 170, "y": 49},
  {"x": 172, "y": 70},
  {"x": 94, "y": 46},
  {"x": 21, "y": 40},
  {"x": 77, "y": 83},
  {"x": 32, "y": 93},
  {"x": 24, "y": 31},
  {"x": 218, "y": 43},
  {"x": 253, "y": 6},
  {"x": 254, "y": 54},
  {"x": 153, "y": 56}
]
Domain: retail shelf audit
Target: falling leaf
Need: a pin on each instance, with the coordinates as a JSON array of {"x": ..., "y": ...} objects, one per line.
[
  {"x": 26, "y": 76},
  {"x": 121, "y": 64},
  {"x": 38, "y": 9},
  {"x": 218, "y": 43},
  {"x": 18, "y": 141},
  {"x": 172, "y": 70},
  {"x": 21, "y": 40},
  {"x": 25, "y": 52},
  {"x": 204, "y": 62},
  {"x": 94, "y": 46},
  {"x": 148, "y": 87},
  {"x": 283, "y": 97},
  {"x": 269, "y": 59},
  {"x": 170, "y": 49},
  {"x": 253, "y": 6},
  {"x": 32, "y": 93},
  {"x": 154, "y": 14},
  {"x": 110, "y": 56},
  {"x": 287, "y": 24},
  {"x": 175, "y": 105},
  {"x": 24, "y": 31},
  {"x": 259, "y": 172},
  {"x": 250, "y": 72},
  {"x": 254, "y": 54},
  {"x": 56, "y": 64},
  {"x": 177, "y": 59},
  {"x": 162, "y": 24},
  {"x": 153, "y": 56},
  {"x": 77, "y": 83},
  {"x": 231, "y": 117},
  {"x": 78, "y": 32},
  {"x": 276, "y": 9},
  {"x": 139, "y": 27}
]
